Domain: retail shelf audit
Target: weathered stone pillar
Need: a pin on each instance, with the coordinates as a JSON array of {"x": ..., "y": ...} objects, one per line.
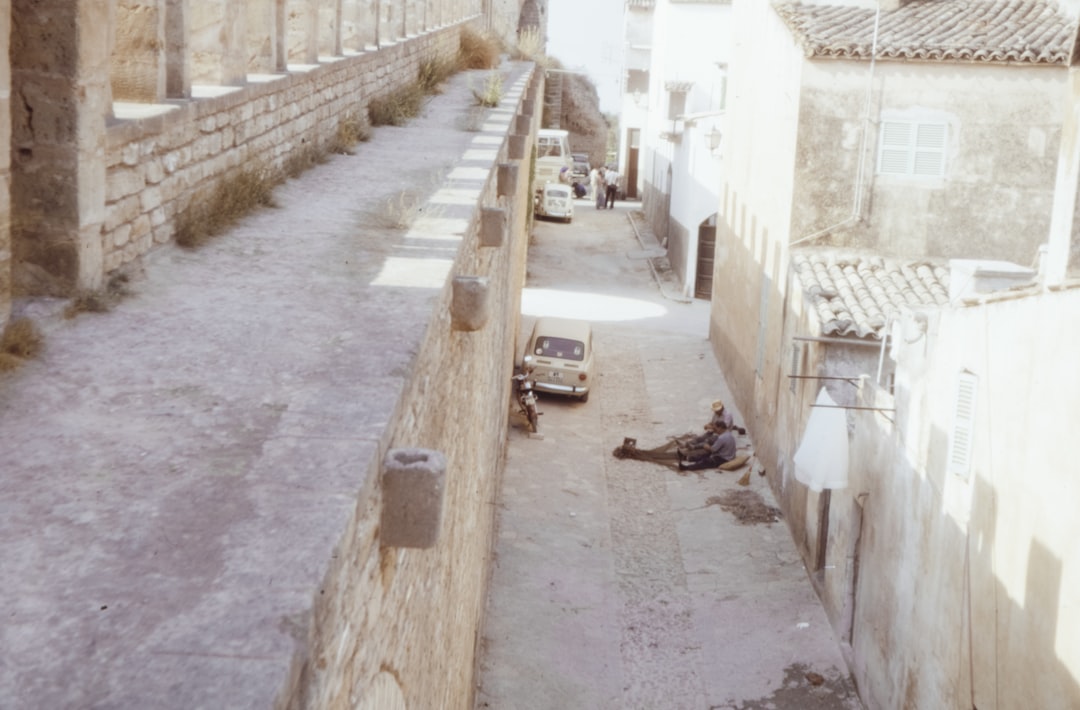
[
  {"x": 219, "y": 42},
  {"x": 329, "y": 35},
  {"x": 264, "y": 36},
  {"x": 138, "y": 54},
  {"x": 303, "y": 31},
  {"x": 5, "y": 170},
  {"x": 60, "y": 74},
  {"x": 387, "y": 30},
  {"x": 177, "y": 49},
  {"x": 352, "y": 26},
  {"x": 414, "y": 16}
]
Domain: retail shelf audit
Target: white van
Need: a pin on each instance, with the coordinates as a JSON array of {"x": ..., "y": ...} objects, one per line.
[{"x": 552, "y": 155}]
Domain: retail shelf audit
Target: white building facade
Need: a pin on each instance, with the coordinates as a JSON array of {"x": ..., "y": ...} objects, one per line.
[{"x": 680, "y": 144}]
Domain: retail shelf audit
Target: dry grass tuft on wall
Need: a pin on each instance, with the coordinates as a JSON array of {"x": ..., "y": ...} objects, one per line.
[
  {"x": 530, "y": 48},
  {"x": 402, "y": 210},
  {"x": 304, "y": 159},
  {"x": 473, "y": 119},
  {"x": 491, "y": 94},
  {"x": 212, "y": 211},
  {"x": 397, "y": 107},
  {"x": 478, "y": 50},
  {"x": 433, "y": 72},
  {"x": 352, "y": 129},
  {"x": 21, "y": 341}
]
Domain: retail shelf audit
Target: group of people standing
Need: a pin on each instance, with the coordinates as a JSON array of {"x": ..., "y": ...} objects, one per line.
[{"x": 605, "y": 185}]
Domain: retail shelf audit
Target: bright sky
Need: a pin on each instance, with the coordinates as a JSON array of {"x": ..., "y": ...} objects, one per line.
[{"x": 587, "y": 36}]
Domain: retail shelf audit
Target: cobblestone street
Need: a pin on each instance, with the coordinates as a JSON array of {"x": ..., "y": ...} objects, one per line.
[{"x": 620, "y": 584}]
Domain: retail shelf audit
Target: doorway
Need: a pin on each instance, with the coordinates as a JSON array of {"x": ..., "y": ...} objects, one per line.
[
  {"x": 706, "y": 252},
  {"x": 633, "y": 140}
]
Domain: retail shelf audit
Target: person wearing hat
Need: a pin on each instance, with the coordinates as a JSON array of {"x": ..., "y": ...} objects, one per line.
[{"x": 720, "y": 416}]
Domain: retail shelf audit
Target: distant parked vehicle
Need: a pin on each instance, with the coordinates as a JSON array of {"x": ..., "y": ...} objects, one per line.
[
  {"x": 561, "y": 355},
  {"x": 581, "y": 168},
  {"x": 552, "y": 154},
  {"x": 555, "y": 200}
]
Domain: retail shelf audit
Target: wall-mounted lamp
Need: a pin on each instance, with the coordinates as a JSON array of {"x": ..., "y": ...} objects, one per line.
[{"x": 715, "y": 137}]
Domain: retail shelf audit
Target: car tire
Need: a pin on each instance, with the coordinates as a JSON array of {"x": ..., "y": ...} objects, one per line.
[{"x": 584, "y": 398}]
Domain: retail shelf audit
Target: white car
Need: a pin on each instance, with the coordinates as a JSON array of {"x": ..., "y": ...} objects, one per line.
[
  {"x": 562, "y": 356},
  {"x": 555, "y": 200}
]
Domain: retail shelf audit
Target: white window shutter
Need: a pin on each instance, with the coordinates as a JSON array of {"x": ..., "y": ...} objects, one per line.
[
  {"x": 930, "y": 149},
  {"x": 962, "y": 437},
  {"x": 912, "y": 148},
  {"x": 894, "y": 162}
]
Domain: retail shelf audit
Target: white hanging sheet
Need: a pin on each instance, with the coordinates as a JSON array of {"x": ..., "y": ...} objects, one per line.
[{"x": 822, "y": 459}]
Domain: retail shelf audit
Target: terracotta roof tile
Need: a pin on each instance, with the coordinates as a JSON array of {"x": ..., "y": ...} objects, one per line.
[
  {"x": 995, "y": 31},
  {"x": 856, "y": 295}
]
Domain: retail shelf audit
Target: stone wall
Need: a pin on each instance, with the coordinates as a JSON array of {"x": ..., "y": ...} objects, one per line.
[
  {"x": 389, "y": 626},
  {"x": 398, "y": 627},
  {"x": 232, "y": 417},
  {"x": 5, "y": 170},
  {"x": 116, "y": 132},
  {"x": 156, "y": 166}
]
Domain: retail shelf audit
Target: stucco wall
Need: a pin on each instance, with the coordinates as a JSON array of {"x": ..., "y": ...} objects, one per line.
[
  {"x": 793, "y": 144},
  {"x": 156, "y": 166},
  {"x": 1004, "y": 127},
  {"x": 812, "y": 365},
  {"x": 952, "y": 593},
  {"x": 965, "y": 589},
  {"x": 750, "y": 266}
]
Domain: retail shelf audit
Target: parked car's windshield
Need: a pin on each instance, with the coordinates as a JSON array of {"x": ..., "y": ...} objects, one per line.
[{"x": 562, "y": 348}]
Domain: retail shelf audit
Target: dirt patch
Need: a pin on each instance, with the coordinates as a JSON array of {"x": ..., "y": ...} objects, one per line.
[
  {"x": 804, "y": 689},
  {"x": 748, "y": 507}
]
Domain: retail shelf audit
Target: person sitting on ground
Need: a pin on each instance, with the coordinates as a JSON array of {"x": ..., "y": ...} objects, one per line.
[
  {"x": 720, "y": 450},
  {"x": 703, "y": 441}
]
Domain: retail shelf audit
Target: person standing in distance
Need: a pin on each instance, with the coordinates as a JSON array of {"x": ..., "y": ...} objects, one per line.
[
  {"x": 611, "y": 181},
  {"x": 597, "y": 179}
]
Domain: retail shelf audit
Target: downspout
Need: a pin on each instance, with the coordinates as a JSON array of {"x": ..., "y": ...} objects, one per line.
[{"x": 856, "y": 207}]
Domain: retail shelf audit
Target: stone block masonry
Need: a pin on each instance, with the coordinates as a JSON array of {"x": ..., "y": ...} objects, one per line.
[
  {"x": 148, "y": 98},
  {"x": 157, "y": 166}
]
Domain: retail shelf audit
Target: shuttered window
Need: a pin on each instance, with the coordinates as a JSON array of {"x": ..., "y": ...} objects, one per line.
[
  {"x": 963, "y": 429},
  {"x": 912, "y": 148}
]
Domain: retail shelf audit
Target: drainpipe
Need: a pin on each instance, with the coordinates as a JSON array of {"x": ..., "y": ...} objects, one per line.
[{"x": 856, "y": 207}]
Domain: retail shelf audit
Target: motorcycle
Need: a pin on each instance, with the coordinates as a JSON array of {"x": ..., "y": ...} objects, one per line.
[{"x": 526, "y": 396}]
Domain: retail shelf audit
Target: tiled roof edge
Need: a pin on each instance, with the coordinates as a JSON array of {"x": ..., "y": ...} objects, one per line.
[{"x": 919, "y": 32}]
